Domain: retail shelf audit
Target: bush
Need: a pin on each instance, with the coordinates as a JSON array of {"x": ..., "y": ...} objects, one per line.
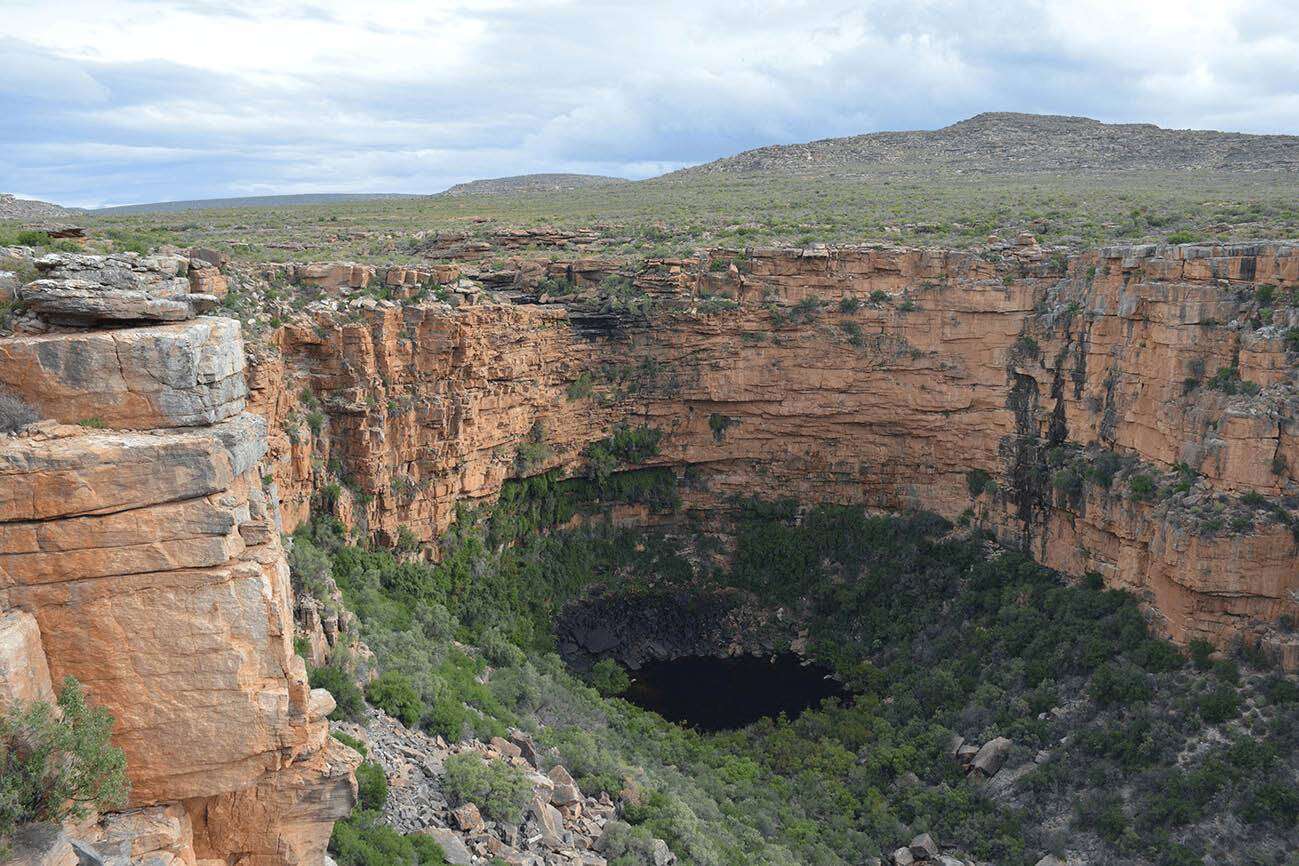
[
  {"x": 608, "y": 678},
  {"x": 1142, "y": 486},
  {"x": 54, "y": 768},
  {"x": 1277, "y": 802},
  {"x": 499, "y": 790},
  {"x": 1219, "y": 705},
  {"x": 1201, "y": 649},
  {"x": 394, "y": 693},
  {"x": 350, "y": 707},
  {"x": 1121, "y": 685},
  {"x": 977, "y": 481},
  {"x": 371, "y": 786},
  {"x": 362, "y": 841},
  {"x": 351, "y": 742},
  {"x": 15, "y": 414}
]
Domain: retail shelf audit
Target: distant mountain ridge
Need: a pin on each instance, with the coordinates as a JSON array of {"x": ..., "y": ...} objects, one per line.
[
  {"x": 26, "y": 209},
  {"x": 250, "y": 201},
  {"x": 531, "y": 183},
  {"x": 1012, "y": 143}
]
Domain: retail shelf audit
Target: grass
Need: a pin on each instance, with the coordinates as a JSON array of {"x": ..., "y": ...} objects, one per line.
[{"x": 671, "y": 215}]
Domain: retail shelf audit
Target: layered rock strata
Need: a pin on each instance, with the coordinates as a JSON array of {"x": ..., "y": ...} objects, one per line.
[
  {"x": 140, "y": 553},
  {"x": 898, "y": 378}
]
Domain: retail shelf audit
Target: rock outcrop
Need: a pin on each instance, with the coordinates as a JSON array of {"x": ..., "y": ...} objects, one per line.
[
  {"x": 140, "y": 553},
  {"x": 1125, "y": 411}
]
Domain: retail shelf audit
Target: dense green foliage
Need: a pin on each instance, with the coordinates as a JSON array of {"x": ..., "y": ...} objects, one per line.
[
  {"x": 498, "y": 790},
  {"x": 57, "y": 764},
  {"x": 935, "y": 636}
]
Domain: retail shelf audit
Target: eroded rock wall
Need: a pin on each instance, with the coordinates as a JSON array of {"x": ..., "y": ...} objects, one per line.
[
  {"x": 140, "y": 553},
  {"x": 890, "y": 377}
]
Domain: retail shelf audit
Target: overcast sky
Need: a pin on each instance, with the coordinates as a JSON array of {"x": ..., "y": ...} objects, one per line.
[{"x": 120, "y": 101}]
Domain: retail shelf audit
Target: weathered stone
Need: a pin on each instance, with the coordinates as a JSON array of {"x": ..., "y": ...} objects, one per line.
[
  {"x": 467, "y": 818},
  {"x": 452, "y": 847},
  {"x": 41, "y": 845},
  {"x": 84, "y": 302},
  {"x": 923, "y": 847},
  {"x": 505, "y": 747},
  {"x": 180, "y": 375},
  {"x": 24, "y": 674},
  {"x": 991, "y": 756},
  {"x": 903, "y": 857}
]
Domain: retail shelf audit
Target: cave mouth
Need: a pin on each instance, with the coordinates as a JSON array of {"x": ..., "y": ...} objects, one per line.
[{"x": 713, "y": 694}]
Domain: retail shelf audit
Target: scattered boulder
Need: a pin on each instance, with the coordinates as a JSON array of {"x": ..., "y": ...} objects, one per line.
[
  {"x": 453, "y": 848},
  {"x": 923, "y": 847},
  {"x": 468, "y": 818},
  {"x": 903, "y": 857},
  {"x": 991, "y": 756}
]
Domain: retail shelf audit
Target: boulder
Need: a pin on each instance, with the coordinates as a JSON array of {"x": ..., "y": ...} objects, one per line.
[
  {"x": 991, "y": 756},
  {"x": 453, "y": 848},
  {"x": 82, "y": 302},
  {"x": 923, "y": 847},
  {"x": 903, "y": 857},
  {"x": 1051, "y": 860},
  {"x": 468, "y": 818},
  {"x": 179, "y": 375},
  {"x": 505, "y": 747},
  {"x": 662, "y": 854},
  {"x": 549, "y": 822},
  {"x": 565, "y": 790},
  {"x": 41, "y": 845},
  {"x": 215, "y": 258},
  {"x": 24, "y": 674}
]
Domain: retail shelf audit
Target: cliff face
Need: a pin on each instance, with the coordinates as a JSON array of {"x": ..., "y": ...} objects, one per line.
[
  {"x": 1100, "y": 410},
  {"x": 140, "y": 553}
]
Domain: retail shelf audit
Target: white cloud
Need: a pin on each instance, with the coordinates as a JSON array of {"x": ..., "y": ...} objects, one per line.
[{"x": 128, "y": 100}]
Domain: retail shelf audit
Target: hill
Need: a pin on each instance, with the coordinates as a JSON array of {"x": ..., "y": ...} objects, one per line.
[
  {"x": 1003, "y": 143},
  {"x": 13, "y": 208},
  {"x": 525, "y": 183},
  {"x": 250, "y": 201}
]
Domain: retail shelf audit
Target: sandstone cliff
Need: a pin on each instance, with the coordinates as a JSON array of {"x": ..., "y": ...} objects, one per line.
[
  {"x": 140, "y": 553},
  {"x": 1125, "y": 411}
]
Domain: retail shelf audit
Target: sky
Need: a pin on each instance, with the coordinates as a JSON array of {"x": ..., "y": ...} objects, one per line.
[{"x": 108, "y": 102}]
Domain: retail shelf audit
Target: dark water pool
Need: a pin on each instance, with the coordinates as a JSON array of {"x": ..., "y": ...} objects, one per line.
[{"x": 719, "y": 694}]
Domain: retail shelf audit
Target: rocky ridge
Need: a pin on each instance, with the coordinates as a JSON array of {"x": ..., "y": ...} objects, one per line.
[
  {"x": 23, "y": 209},
  {"x": 1006, "y": 143}
]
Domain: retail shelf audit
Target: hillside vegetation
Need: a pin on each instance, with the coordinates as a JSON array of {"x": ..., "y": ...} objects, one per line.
[{"x": 1067, "y": 180}]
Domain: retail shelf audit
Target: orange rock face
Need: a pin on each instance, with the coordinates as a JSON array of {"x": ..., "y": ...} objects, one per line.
[
  {"x": 880, "y": 376},
  {"x": 146, "y": 562}
]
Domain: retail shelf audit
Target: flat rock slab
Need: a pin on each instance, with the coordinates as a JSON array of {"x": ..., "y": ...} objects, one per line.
[
  {"x": 182, "y": 375},
  {"x": 75, "y": 301}
]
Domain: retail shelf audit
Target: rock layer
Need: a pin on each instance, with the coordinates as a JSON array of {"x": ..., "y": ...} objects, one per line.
[
  {"x": 146, "y": 562},
  {"x": 890, "y": 377}
]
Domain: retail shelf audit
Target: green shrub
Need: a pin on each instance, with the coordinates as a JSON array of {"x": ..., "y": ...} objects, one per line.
[
  {"x": 349, "y": 705},
  {"x": 56, "y": 766},
  {"x": 497, "y": 789},
  {"x": 1219, "y": 705},
  {"x": 1273, "y": 801},
  {"x": 1121, "y": 685},
  {"x": 608, "y": 678},
  {"x": 977, "y": 481},
  {"x": 371, "y": 786},
  {"x": 362, "y": 840},
  {"x": 848, "y": 305},
  {"x": 351, "y": 742},
  {"x": 580, "y": 387},
  {"x": 1200, "y": 650},
  {"x": 393, "y": 693},
  {"x": 1142, "y": 486},
  {"x": 1182, "y": 236}
]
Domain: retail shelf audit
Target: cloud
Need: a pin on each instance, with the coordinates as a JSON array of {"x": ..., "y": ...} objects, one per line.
[{"x": 137, "y": 100}]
